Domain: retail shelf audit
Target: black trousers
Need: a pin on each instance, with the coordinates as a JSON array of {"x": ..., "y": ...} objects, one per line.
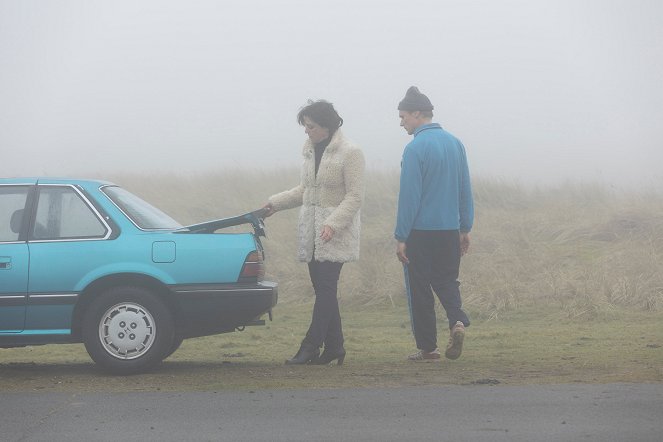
[
  {"x": 434, "y": 264},
  {"x": 325, "y": 325}
]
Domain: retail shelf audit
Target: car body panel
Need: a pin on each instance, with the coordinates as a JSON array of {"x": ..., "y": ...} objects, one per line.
[
  {"x": 14, "y": 255},
  {"x": 208, "y": 309},
  {"x": 47, "y": 273},
  {"x": 13, "y": 286}
]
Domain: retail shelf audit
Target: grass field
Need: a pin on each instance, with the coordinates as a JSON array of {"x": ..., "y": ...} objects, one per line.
[
  {"x": 563, "y": 284},
  {"x": 526, "y": 347}
]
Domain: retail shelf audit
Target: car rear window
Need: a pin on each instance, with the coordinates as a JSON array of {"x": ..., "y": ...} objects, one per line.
[{"x": 142, "y": 214}]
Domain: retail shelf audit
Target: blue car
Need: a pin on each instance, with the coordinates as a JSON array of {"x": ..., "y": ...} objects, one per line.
[{"x": 87, "y": 261}]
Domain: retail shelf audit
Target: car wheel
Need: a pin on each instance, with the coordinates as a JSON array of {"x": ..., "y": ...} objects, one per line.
[
  {"x": 127, "y": 330},
  {"x": 177, "y": 341}
]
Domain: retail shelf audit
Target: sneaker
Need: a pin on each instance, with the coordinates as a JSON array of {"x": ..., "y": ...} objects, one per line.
[
  {"x": 426, "y": 356},
  {"x": 455, "y": 347}
]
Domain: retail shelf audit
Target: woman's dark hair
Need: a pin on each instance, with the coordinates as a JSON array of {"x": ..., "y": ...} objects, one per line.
[{"x": 322, "y": 113}]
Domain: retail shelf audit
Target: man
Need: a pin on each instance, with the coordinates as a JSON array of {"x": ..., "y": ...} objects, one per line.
[{"x": 435, "y": 216}]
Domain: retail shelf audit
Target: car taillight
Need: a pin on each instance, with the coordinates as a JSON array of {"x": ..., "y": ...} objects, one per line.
[{"x": 254, "y": 267}]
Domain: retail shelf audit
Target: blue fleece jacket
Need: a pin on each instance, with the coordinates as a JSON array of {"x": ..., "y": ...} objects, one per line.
[{"x": 435, "y": 191}]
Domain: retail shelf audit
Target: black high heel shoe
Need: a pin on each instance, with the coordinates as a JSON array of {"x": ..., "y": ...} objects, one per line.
[
  {"x": 304, "y": 355},
  {"x": 328, "y": 356}
]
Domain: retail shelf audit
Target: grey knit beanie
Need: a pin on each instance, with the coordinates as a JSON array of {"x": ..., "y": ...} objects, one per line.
[{"x": 415, "y": 101}]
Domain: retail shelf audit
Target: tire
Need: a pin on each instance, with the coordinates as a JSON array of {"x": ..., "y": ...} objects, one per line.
[
  {"x": 177, "y": 341},
  {"x": 127, "y": 330}
]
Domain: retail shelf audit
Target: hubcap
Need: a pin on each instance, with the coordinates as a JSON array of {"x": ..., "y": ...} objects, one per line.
[{"x": 127, "y": 330}]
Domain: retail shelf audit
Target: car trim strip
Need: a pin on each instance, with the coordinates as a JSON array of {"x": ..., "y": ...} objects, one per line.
[
  {"x": 15, "y": 299},
  {"x": 52, "y": 298},
  {"x": 47, "y": 332},
  {"x": 12, "y": 300},
  {"x": 223, "y": 288},
  {"x": 237, "y": 289}
]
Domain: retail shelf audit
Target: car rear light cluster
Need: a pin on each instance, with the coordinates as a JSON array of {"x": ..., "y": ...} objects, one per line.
[{"x": 254, "y": 267}]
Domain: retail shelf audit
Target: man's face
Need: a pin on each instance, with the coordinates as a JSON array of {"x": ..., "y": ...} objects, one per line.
[{"x": 409, "y": 121}]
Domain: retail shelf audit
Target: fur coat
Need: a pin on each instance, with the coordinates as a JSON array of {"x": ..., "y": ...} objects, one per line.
[{"x": 332, "y": 198}]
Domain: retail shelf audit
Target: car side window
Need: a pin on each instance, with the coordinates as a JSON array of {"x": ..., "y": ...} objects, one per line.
[
  {"x": 12, "y": 205},
  {"x": 63, "y": 214}
]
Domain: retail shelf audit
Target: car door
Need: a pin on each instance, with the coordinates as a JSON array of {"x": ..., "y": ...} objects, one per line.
[
  {"x": 66, "y": 242},
  {"x": 14, "y": 257}
]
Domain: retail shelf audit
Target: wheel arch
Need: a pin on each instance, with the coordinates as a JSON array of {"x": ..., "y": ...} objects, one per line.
[{"x": 117, "y": 280}]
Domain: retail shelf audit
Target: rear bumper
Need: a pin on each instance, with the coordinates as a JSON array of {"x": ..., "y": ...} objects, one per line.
[{"x": 204, "y": 309}]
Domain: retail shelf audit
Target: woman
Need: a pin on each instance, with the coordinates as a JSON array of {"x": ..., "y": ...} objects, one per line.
[{"x": 330, "y": 195}]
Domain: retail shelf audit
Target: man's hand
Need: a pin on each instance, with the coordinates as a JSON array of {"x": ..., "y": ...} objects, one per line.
[
  {"x": 464, "y": 242},
  {"x": 400, "y": 252},
  {"x": 327, "y": 233}
]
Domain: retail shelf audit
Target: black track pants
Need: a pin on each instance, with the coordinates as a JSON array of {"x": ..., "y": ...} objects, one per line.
[{"x": 434, "y": 264}]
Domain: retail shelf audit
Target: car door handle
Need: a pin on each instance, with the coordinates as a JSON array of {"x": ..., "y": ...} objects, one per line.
[{"x": 5, "y": 262}]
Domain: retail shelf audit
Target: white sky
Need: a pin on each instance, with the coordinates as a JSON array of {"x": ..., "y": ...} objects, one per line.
[{"x": 538, "y": 91}]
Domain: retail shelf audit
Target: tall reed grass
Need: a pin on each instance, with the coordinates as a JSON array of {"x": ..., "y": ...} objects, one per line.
[{"x": 581, "y": 247}]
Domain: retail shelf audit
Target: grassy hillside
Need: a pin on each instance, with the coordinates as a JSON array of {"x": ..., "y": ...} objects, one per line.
[{"x": 581, "y": 249}]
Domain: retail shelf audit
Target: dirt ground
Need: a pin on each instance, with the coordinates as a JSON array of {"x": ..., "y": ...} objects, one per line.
[{"x": 226, "y": 374}]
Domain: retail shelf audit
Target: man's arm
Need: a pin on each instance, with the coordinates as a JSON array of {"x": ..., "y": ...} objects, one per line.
[
  {"x": 466, "y": 203},
  {"x": 409, "y": 195}
]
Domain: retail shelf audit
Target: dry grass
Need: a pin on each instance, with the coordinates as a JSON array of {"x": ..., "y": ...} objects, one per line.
[{"x": 581, "y": 248}]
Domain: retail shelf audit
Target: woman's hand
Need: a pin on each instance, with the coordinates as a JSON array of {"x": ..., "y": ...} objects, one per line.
[
  {"x": 327, "y": 233},
  {"x": 269, "y": 210}
]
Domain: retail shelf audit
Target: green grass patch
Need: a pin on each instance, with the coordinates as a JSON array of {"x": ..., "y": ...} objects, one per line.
[{"x": 528, "y": 346}]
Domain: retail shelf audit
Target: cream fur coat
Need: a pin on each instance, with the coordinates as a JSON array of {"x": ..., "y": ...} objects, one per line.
[{"x": 332, "y": 198}]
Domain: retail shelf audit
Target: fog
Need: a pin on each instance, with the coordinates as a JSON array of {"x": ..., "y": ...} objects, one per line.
[{"x": 538, "y": 91}]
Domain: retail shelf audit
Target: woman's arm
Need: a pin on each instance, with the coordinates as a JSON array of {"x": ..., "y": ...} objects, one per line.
[{"x": 285, "y": 200}]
